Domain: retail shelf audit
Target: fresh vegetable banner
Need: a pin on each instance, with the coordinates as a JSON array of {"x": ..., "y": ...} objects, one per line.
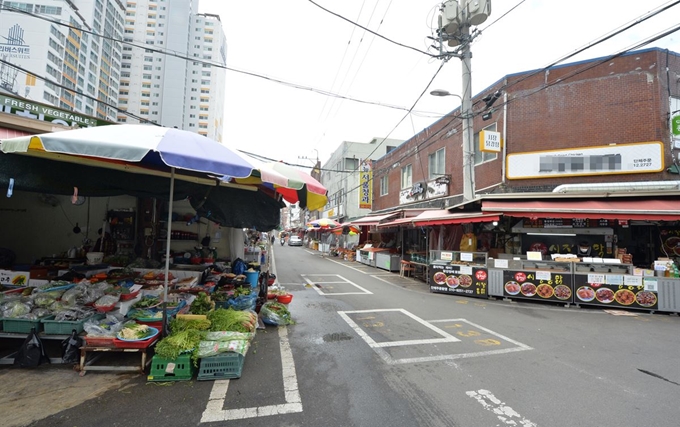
[
  {"x": 538, "y": 285},
  {"x": 458, "y": 279}
]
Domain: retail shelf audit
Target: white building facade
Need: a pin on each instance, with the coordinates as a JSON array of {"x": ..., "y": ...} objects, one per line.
[
  {"x": 62, "y": 53},
  {"x": 347, "y": 179},
  {"x": 173, "y": 71}
]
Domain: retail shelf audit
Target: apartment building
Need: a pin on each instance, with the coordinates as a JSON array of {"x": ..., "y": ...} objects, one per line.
[
  {"x": 173, "y": 66},
  {"x": 62, "y": 53}
]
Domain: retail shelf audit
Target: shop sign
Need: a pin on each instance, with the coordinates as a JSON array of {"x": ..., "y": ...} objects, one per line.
[
  {"x": 675, "y": 128},
  {"x": 542, "y": 287},
  {"x": 16, "y": 46},
  {"x": 425, "y": 190},
  {"x": 14, "y": 278},
  {"x": 616, "y": 159},
  {"x": 458, "y": 279},
  {"x": 613, "y": 295},
  {"x": 366, "y": 186},
  {"x": 46, "y": 113},
  {"x": 490, "y": 141}
]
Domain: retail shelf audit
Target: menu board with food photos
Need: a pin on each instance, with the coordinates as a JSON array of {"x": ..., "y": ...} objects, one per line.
[
  {"x": 464, "y": 280},
  {"x": 615, "y": 290},
  {"x": 538, "y": 285}
]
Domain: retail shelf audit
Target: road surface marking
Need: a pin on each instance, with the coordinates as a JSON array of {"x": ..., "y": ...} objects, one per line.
[
  {"x": 364, "y": 291},
  {"x": 379, "y": 348},
  {"x": 349, "y": 266},
  {"x": 214, "y": 411},
  {"x": 446, "y": 337},
  {"x": 505, "y": 414}
]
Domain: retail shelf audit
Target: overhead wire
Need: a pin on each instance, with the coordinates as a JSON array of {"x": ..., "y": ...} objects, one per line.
[
  {"x": 204, "y": 62},
  {"x": 429, "y": 140}
]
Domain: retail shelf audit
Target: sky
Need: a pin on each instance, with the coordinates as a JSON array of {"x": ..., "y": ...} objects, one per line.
[{"x": 297, "y": 42}]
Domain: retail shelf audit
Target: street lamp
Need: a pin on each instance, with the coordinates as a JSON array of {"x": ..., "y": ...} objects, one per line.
[
  {"x": 442, "y": 92},
  {"x": 468, "y": 142}
]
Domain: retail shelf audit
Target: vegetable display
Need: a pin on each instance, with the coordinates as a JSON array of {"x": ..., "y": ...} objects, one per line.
[
  {"x": 134, "y": 331},
  {"x": 201, "y": 305},
  {"x": 232, "y": 320}
]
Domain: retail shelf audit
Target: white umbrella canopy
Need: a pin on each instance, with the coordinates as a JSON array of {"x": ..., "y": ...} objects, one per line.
[{"x": 143, "y": 149}]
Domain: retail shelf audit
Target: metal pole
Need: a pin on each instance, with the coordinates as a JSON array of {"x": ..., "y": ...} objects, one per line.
[{"x": 466, "y": 108}]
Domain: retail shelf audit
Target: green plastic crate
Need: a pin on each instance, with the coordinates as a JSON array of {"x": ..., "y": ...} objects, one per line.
[
  {"x": 222, "y": 366},
  {"x": 23, "y": 326},
  {"x": 65, "y": 327},
  {"x": 163, "y": 369}
]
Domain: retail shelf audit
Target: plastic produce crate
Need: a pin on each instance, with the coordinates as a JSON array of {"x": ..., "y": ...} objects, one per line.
[
  {"x": 23, "y": 326},
  {"x": 222, "y": 366},
  {"x": 65, "y": 327},
  {"x": 180, "y": 369}
]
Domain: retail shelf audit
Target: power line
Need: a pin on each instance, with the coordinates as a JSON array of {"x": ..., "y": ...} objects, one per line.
[
  {"x": 369, "y": 30},
  {"x": 212, "y": 64}
]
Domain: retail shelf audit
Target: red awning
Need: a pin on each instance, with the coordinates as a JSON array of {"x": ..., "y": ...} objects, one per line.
[
  {"x": 6, "y": 133},
  {"x": 639, "y": 209},
  {"x": 441, "y": 217},
  {"x": 456, "y": 218},
  {"x": 373, "y": 219}
]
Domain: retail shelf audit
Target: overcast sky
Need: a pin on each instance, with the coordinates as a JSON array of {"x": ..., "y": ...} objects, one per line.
[{"x": 299, "y": 43}]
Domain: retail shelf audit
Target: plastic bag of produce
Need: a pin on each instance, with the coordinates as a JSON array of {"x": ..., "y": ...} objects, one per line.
[
  {"x": 107, "y": 327},
  {"x": 243, "y": 302},
  {"x": 211, "y": 348},
  {"x": 15, "y": 309},
  {"x": 44, "y": 299},
  {"x": 228, "y": 336},
  {"x": 275, "y": 313},
  {"x": 31, "y": 353}
]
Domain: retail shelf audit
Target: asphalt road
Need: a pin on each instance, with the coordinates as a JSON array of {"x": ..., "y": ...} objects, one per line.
[{"x": 372, "y": 349}]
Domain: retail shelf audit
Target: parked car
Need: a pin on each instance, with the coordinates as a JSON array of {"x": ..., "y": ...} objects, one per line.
[{"x": 294, "y": 241}]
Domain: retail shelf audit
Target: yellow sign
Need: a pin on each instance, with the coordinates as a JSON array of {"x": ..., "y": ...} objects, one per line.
[
  {"x": 490, "y": 141},
  {"x": 366, "y": 186}
]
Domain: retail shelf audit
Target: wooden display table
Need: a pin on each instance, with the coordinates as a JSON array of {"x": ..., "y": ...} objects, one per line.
[{"x": 102, "y": 349}]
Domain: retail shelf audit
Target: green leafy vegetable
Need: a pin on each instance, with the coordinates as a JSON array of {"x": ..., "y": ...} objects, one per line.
[{"x": 232, "y": 320}]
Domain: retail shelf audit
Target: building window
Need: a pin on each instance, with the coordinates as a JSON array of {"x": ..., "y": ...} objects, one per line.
[
  {"x": 406, "y": 177},
  {"x": 436, "y": 164},
  {"x": 481, "y": 156},
  {"x": 383, "y": 185},
  {"x": 351, "y": 164}
]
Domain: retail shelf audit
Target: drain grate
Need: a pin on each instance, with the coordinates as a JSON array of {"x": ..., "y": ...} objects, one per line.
[{"x": 337, "y": 336}]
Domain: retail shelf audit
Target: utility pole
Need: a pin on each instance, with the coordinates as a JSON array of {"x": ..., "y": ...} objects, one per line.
[{"x": 454, "y": 27}]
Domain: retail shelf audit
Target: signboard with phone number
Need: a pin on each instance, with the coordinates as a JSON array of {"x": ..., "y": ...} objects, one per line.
[{"x": 456, "y": 279}]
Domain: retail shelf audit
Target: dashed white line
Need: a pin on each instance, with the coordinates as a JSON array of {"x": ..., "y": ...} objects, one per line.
[
  {"x": 214, "y": 411},
  {"x": 505, "y": 414}
]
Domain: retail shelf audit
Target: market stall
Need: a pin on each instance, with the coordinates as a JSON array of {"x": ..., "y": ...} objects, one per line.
[{"x": 69, "y": 156}]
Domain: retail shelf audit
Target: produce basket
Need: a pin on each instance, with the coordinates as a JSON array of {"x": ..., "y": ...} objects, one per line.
[
  {"x": 131, "y": 295},
  {"x": 135, "y": 344},
  {"x": 65, "y": 327},
  {"x": 23, "y": 326},
  {"x": 222, "y": 366},
  {"x": 180, "y": 369}
]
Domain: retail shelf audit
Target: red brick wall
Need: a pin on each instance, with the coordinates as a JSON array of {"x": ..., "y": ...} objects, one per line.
[{"x": 590, "y": 103}]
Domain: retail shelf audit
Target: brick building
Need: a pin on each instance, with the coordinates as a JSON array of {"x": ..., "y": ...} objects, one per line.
[{"x": 558, "y": 125}]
